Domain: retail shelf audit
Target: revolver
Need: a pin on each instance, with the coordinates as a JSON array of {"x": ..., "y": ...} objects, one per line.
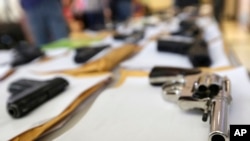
[
  {"x": 209, "y": 93},
  {"x": 27, "y": 95}
]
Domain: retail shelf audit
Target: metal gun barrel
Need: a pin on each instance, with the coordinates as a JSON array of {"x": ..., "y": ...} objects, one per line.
[{"x": 219, "y": 114}]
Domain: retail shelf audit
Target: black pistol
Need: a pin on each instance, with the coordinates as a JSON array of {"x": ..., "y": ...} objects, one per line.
[
  {"x": 188, "y": 28},
  {"x": 26, "y": 95},
  {"x": 187, "y": 41},
  {"x": 134, "y": 37},
  {"x": 160, "y": 74},
  {"x": 85, "y": 53},
  {"x": 199, "y": 55},
  {"x": 25, "y": 53}
]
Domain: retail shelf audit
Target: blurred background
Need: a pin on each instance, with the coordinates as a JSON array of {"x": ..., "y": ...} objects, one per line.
[{"x": 21, "y": 19}]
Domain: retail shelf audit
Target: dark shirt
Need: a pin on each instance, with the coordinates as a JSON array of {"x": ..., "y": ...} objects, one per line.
[
  {"x": 30, "y": 4},
  {"x": 114, "y": 2},
  {"x": 184, "y": 3}
]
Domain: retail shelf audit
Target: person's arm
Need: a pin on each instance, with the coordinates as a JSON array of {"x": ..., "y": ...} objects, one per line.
[
  {"x": 106, "y": 10},
  {"x": 26, "y": 30}
]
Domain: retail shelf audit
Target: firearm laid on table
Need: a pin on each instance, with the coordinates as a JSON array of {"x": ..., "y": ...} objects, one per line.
[
  {"x": 86, "y": 53},
  {"x": 25, "y": 53},
  {"x": 128, "y": 34},
  {"x": 194, "y": 90},
  {"x": 187, "y": 41},
  {"x": 27, "y": 95},
  {"x": 133, "y": 37}
]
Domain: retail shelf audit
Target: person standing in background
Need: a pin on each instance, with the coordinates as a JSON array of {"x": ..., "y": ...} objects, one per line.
[
  {"x": 184, "y": 3},
  {"x": 45, "y": 17},
  {"x": 93, "y": 13},
  {"x": 74, "y": 24},
  {"x": 121, "y": 10},
  {"x": 218, "y": 8},
  {"x": 12, "y": 26}
]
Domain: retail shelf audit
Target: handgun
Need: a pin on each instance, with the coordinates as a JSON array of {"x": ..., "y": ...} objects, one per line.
[
  {"x": 85, "y": 53},
  {"x": 160, "y": 74},
  {"x": 27, "y": 95},
  {"x": 187, "y": 41},
  {"x": 188, "y": 28},
  {"x": 25, "y": 53},
  {"x": 134, "y": 37},
  {"x": 209, "y": 93}
]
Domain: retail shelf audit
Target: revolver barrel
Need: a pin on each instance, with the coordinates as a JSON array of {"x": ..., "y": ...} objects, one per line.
[{"x": 219, "y": 114}]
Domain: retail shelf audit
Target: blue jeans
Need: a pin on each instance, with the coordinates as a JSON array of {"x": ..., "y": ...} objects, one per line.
[
  {"x": 47, "y": 22},
  {"x": 124, "y": 11},
  {"x": 94, "y": 20}
]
